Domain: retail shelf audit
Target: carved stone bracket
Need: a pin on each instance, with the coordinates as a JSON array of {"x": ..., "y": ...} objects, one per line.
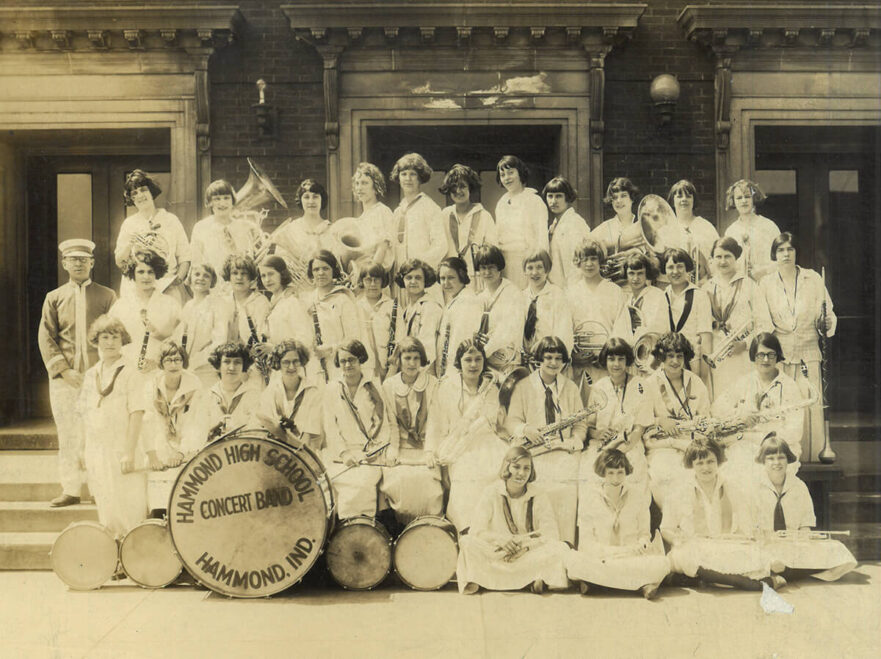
[
  {"x": 61, "y": 38},
  {"x": 722, "y": 101},
  {"x": 597, "y": 73},
  {"x": 98, "y": 38},
  {"x": 331, "y": 57},
  {"x": 25, "y": 38},
  {"x": 134, "y": 39},
  {"x": 537, "y": 33}
]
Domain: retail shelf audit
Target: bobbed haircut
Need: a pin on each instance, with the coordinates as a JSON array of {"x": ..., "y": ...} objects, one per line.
[
  {"x": 152, "y": 259},
  {"x": 779, "y": 241},
  {"x": 767, "y": 340},
  {"x": 701, "y": 449},
  {"x": 376, "y": 271},
  {"x": 673, "y": 342},
  {"x": 620, "y": 184},
  {"x": 514, "y": 454},
  {"x": 311, "y": 185},
  {"x": 415, "y": 162},
  {"x": 457, "y": 175},
  {"x": 354, "y": 347},
  {"x": 729, "y": 244},
  {"x": 219, "y": 188},
  {"x": 640, "y": 261},
  {"x": 678, "y": 255},
  {"x": 411, "y": 344},
  {"x": 751, "y": 188},
  {"x": 105, "y": 324},
  {"x": 138, "y": 178},
  {"x": 560, "y": 184},
  {"x": 611, "y": 459},
  {"x": 231, "y": 350},
  {"x": 589, "y": 247},
  {"x": 616, "y": 346},
  {"x": 512, "y": 162},
  {"x": 489, "y": 255},
  {"x": 550, "y": 345},
  {"x": 773, "y": 445},
  {"x": 170, "y": 348},
  {"x": 325, "y": 256},
  {"x": 372, "y": 172},
  {"x": 286, "y": 346},
  {"x": 458, "y": 266},
  {"x": 538, "y": 256},
  {"x": 207, "y": 267},
  {"x": 465, "y": 346},
  {"x": 239, "y": 262},
  {"x": 410, "y": 265},
  {"x": 278, "y": 264},
  {"x": 682, "y": 185}
]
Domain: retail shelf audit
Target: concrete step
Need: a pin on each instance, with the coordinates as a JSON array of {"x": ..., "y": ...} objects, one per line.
[
  {"x": 32, "y": 434},
  {"x": 29, "y": 475},
  {"x": 847, "y": 507},
  {"x": 26, "y": 551},
  {"x": 864, "y": 540},
  {"x": 26, "y": 516}
]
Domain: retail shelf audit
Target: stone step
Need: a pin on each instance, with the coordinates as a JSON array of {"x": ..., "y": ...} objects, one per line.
[
  {"x": 26, "y": 551},
  {"x": 26, "y": 516},
  {"x": 846, "y": 507},
  {"x": 29, "y": 491},
  {"x": 32, "y": 434}
]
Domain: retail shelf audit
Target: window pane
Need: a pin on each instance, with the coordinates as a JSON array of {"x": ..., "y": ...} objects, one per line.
[
  {"x": 844, "y": 180},
  {"x": 776, "y": 181}
]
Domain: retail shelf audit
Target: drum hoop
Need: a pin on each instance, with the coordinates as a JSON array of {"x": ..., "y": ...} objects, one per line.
[
  {"x": 89, "y": 523},
  {"x": 434, "y": 522},
  {"x": 258, "y": 435},
  {"x": 151, "y": 522},
  {"x": 364, "y": 520}
]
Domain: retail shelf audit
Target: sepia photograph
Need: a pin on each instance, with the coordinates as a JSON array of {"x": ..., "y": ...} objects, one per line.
[{"x": 421, "y": 328}]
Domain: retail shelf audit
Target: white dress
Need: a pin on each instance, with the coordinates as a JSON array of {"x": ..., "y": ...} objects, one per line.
[
  {"x": 339, "y": 320},
  {"x": 461, "y": 432},
  {"x": 378, "y": 224},
  {"x": 522, "y": 226},
  {"x": 504, "y": 314},
  {"x": 594, "y": 311},
  {"x": 205, "y": 323},
  {"x": 418, "y": 231},
  {"x": 421, "y": 320},
  {"x": 699, "y": 320},
  {"x": 480, "y": 563},
  {"x": 295, "y": 242},
  {"x": 700, "y": 235},
  {"x": 162, "y": 310},
  {"x": 756, "y": 237},
  {"x": 299, "y": 415},
  {"x": 652, "y": 306},
  {"x": 830, "y": 557},
  {"x": 377, "y": 318},
  {"x": 169, "y": 227},
  {"x": 565, "y": 237},
  {"x": 611, "y": 538},
  {"x": 609, "y": 233},
  {"x": 476, "y": 228},
  {"x": 553, "y": 315},
  {"x": 220, "y": 412},
  {"x": 106, "y": 406},
  {"x": 411, "y": 489},
  {"x": 460, "y": 320},
  {"x": 212, "y": 242}
]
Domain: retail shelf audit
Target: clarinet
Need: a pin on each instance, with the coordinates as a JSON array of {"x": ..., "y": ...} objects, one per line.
[
  {"x": 392, "y": 330},
  {"x": 253, "y": 341},
  {"x": 318, "y": 342},
  {"x": 443, "y": 361},
  {"x": 142, "y": 357},
  {"x": 826, "y": 455},
  {"x": 481, "y": 337}
]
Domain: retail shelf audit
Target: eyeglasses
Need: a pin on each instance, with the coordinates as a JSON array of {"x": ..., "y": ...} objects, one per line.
[
  {"x": 347, "y": 361},
  {"x": 78, "y": 259},
  {"x": 173, "y": 360},
  {"x": 287, "y": 363},
  {"x": 766, "y": 355}
]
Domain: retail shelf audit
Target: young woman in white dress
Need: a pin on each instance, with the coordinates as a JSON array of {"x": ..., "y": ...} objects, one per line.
[
  {"x": 546, "y": 308},
  {"x": 615, "y": 547},
  {"x": 688, "y": 309},
  {"x": 513, "y": 541},
  {"x": 287, "y": 317},
  {"x": 247, "y": 309},
  {"x": 645, "y": 307},
  {"x": 621, "y": 194},
  {"x": 699, "y": 233},
  {"x": 709, "y": 526},
  {"x": 377, "y": 309},
  {"x": 566, "y": 231},
  {"x": 796, "y": 297},
  {"x": 468, "y": 224},
  {"x": 112, "y": 407},
  {"x": 461, "y": 311},
  {"x": 521, "y": 216},
  {"x": 204, "y": 322},
  {"x": 233, "y": 400},
  {"x": 418, "y": 231},
  {"x": 501, "y": 323},
  {"x": 376, "y": 220},
  {"x": 422, "y": 311},
  {"x": 784, "y": 514},
  {"x": 752, "y": 231}
]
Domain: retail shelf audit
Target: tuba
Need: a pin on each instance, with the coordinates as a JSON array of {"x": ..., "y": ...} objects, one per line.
[
  {"x": 644, "y": 360},
  {"x": 350, "y": 243},
  {"x": 251, "y": 201},
  {"x": 650, "y": 234}
]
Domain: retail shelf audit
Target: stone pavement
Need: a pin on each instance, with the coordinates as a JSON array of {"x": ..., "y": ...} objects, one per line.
[{"x": 40, "y": 617}]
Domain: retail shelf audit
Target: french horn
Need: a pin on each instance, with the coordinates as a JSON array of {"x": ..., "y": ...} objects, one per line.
[{"x": 590, "y": 337}]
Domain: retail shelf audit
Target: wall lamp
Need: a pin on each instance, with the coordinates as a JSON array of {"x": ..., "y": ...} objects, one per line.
[
  {"x": 665, "y": 92},
  {"x": 266, "y": 115}
]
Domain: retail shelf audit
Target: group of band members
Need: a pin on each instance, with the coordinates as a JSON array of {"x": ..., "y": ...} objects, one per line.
[{"x": 485, "y": 362}]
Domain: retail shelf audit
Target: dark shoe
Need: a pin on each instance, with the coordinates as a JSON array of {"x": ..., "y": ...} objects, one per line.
[{"x": 64, "y": 500}]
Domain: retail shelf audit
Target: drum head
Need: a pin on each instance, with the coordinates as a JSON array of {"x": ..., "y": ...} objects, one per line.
[
  {"x": 84, "y": 555},
  {"x": 147, "y": 555},
  {"x": 426, "y": 553},
  {"x": 249, "y": 516},
  {"x": 359, "y": 556}
]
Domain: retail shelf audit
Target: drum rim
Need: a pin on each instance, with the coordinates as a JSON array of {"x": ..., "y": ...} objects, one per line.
[
  {"x": 372, "y": 522},
  {"x": 259, "y": 436},
  {"x": 90, "y": 523},
  {"x": 426, "y": 521},
  {"x": 152, "y": 521}
]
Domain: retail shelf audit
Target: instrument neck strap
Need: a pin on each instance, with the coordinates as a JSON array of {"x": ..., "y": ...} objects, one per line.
[
  {"x": 720, "y": 315},
  {"x": 621, "y": 392},
  {"x": 683, "y": 403},
  {"x": 377, "y": 416},
  {"x": 298, "y": 400},
  {"x": 792, "y": 306},
  {"x": 686, "y": 310},
  {"x": 509, "y": 517}
]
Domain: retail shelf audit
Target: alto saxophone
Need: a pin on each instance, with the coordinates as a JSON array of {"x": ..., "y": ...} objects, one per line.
[
  {"x": 724, "y": 349},
  {"x": 551, "y": 437}
]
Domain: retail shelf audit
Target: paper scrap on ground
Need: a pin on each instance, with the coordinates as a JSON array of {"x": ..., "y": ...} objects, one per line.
[{"x": 772, "y": 602}]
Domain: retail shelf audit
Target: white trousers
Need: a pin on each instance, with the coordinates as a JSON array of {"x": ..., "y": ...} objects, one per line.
[{"x": 63, "y": 399}]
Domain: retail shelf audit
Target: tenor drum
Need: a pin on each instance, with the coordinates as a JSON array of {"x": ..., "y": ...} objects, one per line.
[
  {"x": 249, "y": 515},
  {"x": 85, "y": 555},
  {"x": 426, "y": 553},
  {"x": 359, "y": 555},
  {"x": 147, "y": 555}
]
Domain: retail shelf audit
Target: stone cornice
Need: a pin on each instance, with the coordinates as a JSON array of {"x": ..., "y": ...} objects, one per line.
[
  {"x": 576, "y": 21},
  {"x": 194, "y": 27},
  {"x": 729, "y": 27}
]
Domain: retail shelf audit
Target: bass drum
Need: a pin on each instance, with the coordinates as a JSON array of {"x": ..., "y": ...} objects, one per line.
[
  {"x": 85, "y": 555},
  {"x": 147, "y": 555},
  {"x": 249, "y": 515},
  {"x": 359, "y": 555},
  {"x": 426, "y": 553}
]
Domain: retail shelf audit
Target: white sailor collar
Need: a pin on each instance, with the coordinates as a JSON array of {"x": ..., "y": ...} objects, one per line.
[{"x": 402, "y": 389}]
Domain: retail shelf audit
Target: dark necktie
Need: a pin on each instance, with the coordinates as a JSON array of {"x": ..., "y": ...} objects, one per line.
[
  {"x": 454, "y": 230},
  {"x": 531, "y": 320},
  {"x": 779, "y": 517},
  {"x": 550, "y": 408}
]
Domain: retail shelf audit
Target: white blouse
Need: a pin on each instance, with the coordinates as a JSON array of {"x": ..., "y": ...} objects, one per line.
[
  {"x": 418, "y": 231},
  {"x": 553, "y": 315},
  {"x": 522, "y": 223},
  {"x": 565, "y": 237}
]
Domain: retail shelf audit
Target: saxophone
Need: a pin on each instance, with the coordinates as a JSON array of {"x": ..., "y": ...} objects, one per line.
[
  {"x": 316, "y": 326},
  {"x": 724, "y": 350},
  {"x": 551, "y": 437}
]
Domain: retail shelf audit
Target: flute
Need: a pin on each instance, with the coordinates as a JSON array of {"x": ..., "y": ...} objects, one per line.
[
  {"x": 316, "y": 326},
  {"x": 142, "y": 357}
]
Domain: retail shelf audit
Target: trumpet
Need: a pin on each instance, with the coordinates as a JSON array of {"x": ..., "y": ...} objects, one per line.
[
  {"x": 551, "y": 434},
  {"x": 724, "y": 350}
]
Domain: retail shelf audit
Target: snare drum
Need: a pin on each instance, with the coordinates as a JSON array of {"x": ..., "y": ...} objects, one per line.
[
  {"x": 85, "y": 555},
  {"x": 426, "y": 553},
  {"x": 359, "y": 555},
  {"x": 159, "y": 484},
  {"x": 147, "y": 555},
  {"x": 249, "y": 515}
]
